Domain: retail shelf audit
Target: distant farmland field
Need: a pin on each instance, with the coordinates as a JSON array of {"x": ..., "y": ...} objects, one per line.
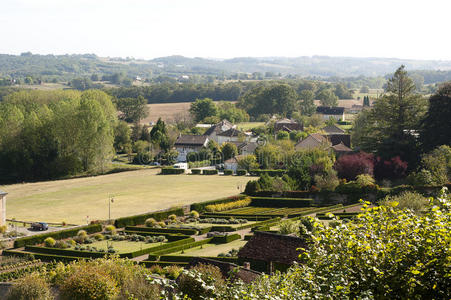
[
  {"x": 167, "y": 111},
  {"x": 135, "y": 192}
]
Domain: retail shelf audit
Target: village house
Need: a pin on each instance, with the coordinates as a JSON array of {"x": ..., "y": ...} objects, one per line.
[
  {"x": 339, "y": 143},
  {"x": 232, "y": 163},
  {"x": 213, "y": 131},
  {"x": 3, "y": 208},
  {"x": 189, "y": 143},
  {"x": 276, "y": 251},
  {"x": 287, "y": 125},
  {"x": 314, "y": 140},
  {"x": 327, "y": 112},
  {"x": 336, "y": 135}
]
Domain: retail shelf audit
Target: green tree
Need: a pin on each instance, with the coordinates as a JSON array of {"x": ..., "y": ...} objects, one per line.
[
  {"x": 391, "y": 126},
  {"x": 327, "y": 98},
  {"x": 132, "y": 110},
  {"x": 366, "y": 100},
  {"x": 229, "y": 150},
  {"x": 437, "y": 124},
  {"x": 121, "y": 136},
  {"x": 307, "y": 102},
  {"x": 202, "y": 108}
]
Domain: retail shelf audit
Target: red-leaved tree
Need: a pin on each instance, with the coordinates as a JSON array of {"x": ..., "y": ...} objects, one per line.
[
  {"x": 351, "y": 165},
  {"x": 394, "y": 168}
]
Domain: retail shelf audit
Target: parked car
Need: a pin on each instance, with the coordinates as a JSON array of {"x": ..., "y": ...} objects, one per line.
[{"x": 39, "y": 226}]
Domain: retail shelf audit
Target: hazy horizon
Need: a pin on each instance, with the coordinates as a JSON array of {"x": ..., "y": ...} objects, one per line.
[{"x": 227, "y": 29}]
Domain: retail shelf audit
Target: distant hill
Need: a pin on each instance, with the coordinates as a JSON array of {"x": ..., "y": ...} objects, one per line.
[{"x": 66, "y": 67}]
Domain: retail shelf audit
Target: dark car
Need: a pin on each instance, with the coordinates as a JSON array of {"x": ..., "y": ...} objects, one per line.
[{"x": 39, "y": 226}]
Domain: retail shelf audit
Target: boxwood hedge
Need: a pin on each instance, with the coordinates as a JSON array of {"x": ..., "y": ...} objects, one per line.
[
  {"x": 209, "y": 172},
  {"x": 184, "y": 231},
  {"x": 196, "y": 171},
  {"x": 172, "y": 171},
  {"x": 200, "y": 206},
  {"x": 225, "y": 239},
  {"x": 280, "y": 202}
]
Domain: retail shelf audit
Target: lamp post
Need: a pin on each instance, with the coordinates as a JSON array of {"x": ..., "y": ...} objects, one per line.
[{"x": 110, "y": 200}]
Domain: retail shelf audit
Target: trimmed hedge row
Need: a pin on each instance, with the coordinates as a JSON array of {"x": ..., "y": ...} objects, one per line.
[
  {"x": 322, "y": 216},
  {"x": 272, "y": 173},
  {"x": 287, "y": 194},
  {"x": 280, "y": 202},
  {"x": 209, "y": 172},
  {"x": 185, "y": 231},
  {"x": 223, "y": 228},
  {"x": 149, "y": 264},
  {"x": 200, "y": 206},
  {"x": 172, "y": 171},
  {"x": 229, "y": 216},
  {"x": 261, "y": 226},
  {"x": 225, "y": 239},
  {"x": 57, "y": 235},
  {"x": 183, "y": 258},
  {"x": 64, "y": 252},
  {"x": 241, "y": 172},
  {"x": 172, "y": 244},
  {"x": 169, "y": 236},
  {"x": 42, "y": 257},
  {"x": 181, "y": 247},
  {"x": 141, "y": 219},
  {"x": 228, "y": 172},
  {"x": 196, "y": 171}
]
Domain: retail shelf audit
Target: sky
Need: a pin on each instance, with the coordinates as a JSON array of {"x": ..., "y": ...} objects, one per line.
[{"x": 225, "y": 29}]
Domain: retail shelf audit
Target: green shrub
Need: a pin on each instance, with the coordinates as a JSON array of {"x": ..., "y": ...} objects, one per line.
[
  {"x": 49, "y": 242},
  {"x": 172, "y": 171},
  {"x": 196, "y": 171},
  {"x": 228, "y": 172},
  {"x": 288, "y": 227},
  {"x": 150, "y": 222},
  {"x": 3, "y": 229},
  {"x": 111, "y": 229},
  {"x": 409, "y": 200},
  {"x": 196, "y": 283},
  {"x": 82, "y": 234},
  {"x": 240, "y": 172},
  {"x": 99, "y": 236},
  {"x": 194, "y": 214},
  {"x": 225, "y": 239},
  {"x": 85, "y": 284},
  {"x": 61, "y": 244},
  {"x": 172, "y": 218},
  {"x": 30, "y": 287},
  {"x": 140, "y": 288},
  {"x": 272, "y": 173},
  {"x": 209, "y": 172},
  {"x": 173, "y": 272},
  {"x": 156, "y": 269},
  {"x": 365, "y": 180},
  {"x": 140, "y": 219}
]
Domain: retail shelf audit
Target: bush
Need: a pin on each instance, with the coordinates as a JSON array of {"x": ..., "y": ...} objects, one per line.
[
  {"x": 140, "y": 219},
  {"x": 196, "y": 171},
  {"x": 83, "y": 285},
  {"x": 410, "y": 200},
  {"x": 172, "y": 218},
  {"x": 194, "y": 214},
  {"x": 209, "y": 172},
  {"x": 3, "y": 229},
  {"x": 228, "y": 172},
  {"x": 82, "y": 233},
  {"x": 272, "y": 173},
  {"x": 30, "y": 287},
  {"x": 392, "y": 169},
  {"x": 289, "y": 227},
  {"x": 192, "y": 283},
  {"x": 150, "y": 222},
  {"x": 61, "y": 244},
  {"x": 351, "y": 165},
  {"x": 172, "y": 171},
  {"x": 328, "y": 181},
  {"x": 365, "y": 180},
  {"x": 240, "y": 172},
  {"x": 228, "y": 206},
  {"x": 111, "y": 229},
  {"x": 49, "y": 242},
  {"x": 140, "y": 288},
  {"x": 156, "y": 269},
  {"x": 99, "y": 236},
  {"x": 173, "y": 272}
]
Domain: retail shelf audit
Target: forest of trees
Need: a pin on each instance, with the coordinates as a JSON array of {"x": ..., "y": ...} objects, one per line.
[{"x": 46, "y": 135}]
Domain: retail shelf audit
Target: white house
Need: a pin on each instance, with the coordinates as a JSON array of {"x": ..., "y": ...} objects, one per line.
[
  {"x": 327, "y": 112},
  {"x": 232, "y": 163},
  {"x": 189, "y": 143},
  {"x": 3, "y": 208},
  {"x": 213, "y": 131}
]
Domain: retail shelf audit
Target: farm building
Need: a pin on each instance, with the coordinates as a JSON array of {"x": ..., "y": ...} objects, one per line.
[
  {"x": 189, "y": 143},
  {"x": 327, "y": 112},
  {"x": 3, "y": 208}
]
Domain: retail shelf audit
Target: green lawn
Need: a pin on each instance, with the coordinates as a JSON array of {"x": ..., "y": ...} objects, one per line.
[
  {"x": 249, "y": 125},
  {"x": 123, "y": 246},
  {"x": 213, "y": 250},
  {"x": 135, "y": 192}
]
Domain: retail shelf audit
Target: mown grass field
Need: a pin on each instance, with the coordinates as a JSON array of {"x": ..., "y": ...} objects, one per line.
[
  {"x": 134, "y": 192},
  {"x": 213, "y": 250}
]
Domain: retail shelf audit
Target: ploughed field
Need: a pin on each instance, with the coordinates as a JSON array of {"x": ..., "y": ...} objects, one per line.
[{"x": 85, "y": 199}]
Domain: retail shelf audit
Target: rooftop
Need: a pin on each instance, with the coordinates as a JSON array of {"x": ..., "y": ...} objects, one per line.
[
  {"x": 333, "y": 129},
  {"x": 193, "y": 140},
  {"x": 231, "y": 132},
  {"x": 329, "y": 110},
  {"x": 341, "y": 148}
]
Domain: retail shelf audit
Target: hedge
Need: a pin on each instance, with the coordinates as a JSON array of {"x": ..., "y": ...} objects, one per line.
[
  {"x": 272, "y": 173},
  {"x": 241, "y": 172},
  {"x": 43, "y": 257},
  {"x": 184, "y": 231},
  {"x": 229, "y": 216},
  {"x": 223, "y": 228},
  {"x": 228, "y": 172},
  {"x": 280, "y": 202},
  {"x": 169, "y": 236},
  {"x": 57, "y": 235},
  {"x": 322, "y": 216},
  {"x": 285, "y": 194},
  {"x": 200, "y": 206},
  {"x": 65, "y": 252},
  {"x": 173, "y": 244},
  {"x": 181, "y": 247},
  {"x": 183, "y": 258},
  {"x": 148, "y": 264},
  {"x": 209, "y": 172},
  {"x": 196, "y": 171},
  {"x": 172, "y": 171},
  {"x": 225, "y": 239},
  {"x": 141, "y": 219}
]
